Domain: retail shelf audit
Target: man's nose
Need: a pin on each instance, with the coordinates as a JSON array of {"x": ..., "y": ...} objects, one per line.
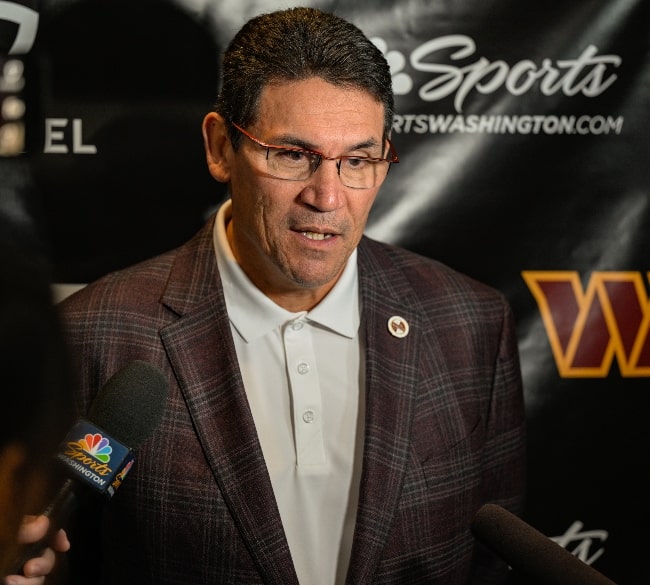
[{"x": 324, "y": 190}]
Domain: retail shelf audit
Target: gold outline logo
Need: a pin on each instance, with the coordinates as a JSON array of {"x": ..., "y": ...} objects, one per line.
[{"x": 588, "y": 328}]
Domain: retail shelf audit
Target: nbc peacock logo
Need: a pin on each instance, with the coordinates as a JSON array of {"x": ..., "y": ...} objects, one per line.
[{"x": 97, "y": 446}]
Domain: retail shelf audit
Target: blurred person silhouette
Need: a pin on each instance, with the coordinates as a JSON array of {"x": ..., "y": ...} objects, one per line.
[{"x": 35, "y": 399}]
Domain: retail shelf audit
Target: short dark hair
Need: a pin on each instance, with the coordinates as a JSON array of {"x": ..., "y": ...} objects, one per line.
[{"x": 293, "y": 45}]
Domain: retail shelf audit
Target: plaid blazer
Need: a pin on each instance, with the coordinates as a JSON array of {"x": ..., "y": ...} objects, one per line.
[{"x": 444, "y": 428}]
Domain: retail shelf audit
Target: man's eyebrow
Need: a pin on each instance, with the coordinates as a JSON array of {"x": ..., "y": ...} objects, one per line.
[{"x": 290, "y": 140}]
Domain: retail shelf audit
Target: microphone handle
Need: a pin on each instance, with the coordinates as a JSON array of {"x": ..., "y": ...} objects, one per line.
[{"x": 58, "y": 511}]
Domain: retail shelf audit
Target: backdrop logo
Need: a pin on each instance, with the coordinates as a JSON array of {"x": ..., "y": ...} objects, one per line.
[
  {"x": 581, "y": 542},
  {"x": 454, "y": 70},
  {"x": 27, "y": 21},
  {"x": 588, "y": 329}
]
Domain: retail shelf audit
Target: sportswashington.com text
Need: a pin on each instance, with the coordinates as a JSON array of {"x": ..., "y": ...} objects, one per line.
[{"x": 506, "y": 124}]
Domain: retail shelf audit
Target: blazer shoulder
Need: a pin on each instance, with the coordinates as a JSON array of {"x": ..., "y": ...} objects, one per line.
[
  {"x": 147, "y": 281},
  {"x": 422, "y": 274}
]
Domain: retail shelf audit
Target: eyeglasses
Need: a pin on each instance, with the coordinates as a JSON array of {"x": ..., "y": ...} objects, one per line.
[{"x": 298, "y": 164}]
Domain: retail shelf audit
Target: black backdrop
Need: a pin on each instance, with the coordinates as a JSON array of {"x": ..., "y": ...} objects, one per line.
[{"x": 523, "y": 133}]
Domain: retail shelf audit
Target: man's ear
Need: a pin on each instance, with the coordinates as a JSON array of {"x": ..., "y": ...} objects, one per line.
[{"x": 218, "y": 148}]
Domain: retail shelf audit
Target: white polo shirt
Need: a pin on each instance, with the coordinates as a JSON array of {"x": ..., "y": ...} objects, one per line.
[{"x": 304, "y": 381}]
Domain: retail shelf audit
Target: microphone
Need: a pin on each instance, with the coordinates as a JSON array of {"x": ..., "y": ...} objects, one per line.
[
  {"x": 97, "y": 452},
  {"x": 529, "y": 551}
]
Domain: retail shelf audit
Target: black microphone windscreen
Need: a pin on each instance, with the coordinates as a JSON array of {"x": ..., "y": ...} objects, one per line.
[
  {"x": 530, "y": 552},
  {"x": 131, "y": 404}
]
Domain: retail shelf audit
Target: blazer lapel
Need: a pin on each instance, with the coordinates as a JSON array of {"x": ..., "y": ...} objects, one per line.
[
  {"x": 391, "y": 377},
  {"x": 202, "y": 353}
]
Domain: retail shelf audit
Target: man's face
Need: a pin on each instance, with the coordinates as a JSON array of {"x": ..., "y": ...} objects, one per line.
[{"x": 294, "y": 237}]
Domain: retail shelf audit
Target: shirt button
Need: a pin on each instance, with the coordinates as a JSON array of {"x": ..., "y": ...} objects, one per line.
[
  {"x": 308, "y": 416},
  {"x": 303, "y": 368},
  {"x": 297, "y": 326}
]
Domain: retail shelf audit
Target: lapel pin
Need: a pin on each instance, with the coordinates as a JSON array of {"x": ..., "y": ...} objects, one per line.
[{"x": 398, "y": 326}]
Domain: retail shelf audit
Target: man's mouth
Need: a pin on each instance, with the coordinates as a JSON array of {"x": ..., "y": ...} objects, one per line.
[{"x": 316, "y": 235}]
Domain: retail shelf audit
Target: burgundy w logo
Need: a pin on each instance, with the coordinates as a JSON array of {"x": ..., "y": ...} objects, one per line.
[{"x": 587, "y": 329}]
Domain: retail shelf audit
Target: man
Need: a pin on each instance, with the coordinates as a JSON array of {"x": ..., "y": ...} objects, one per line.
[{"x": 339, "y": 408}]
